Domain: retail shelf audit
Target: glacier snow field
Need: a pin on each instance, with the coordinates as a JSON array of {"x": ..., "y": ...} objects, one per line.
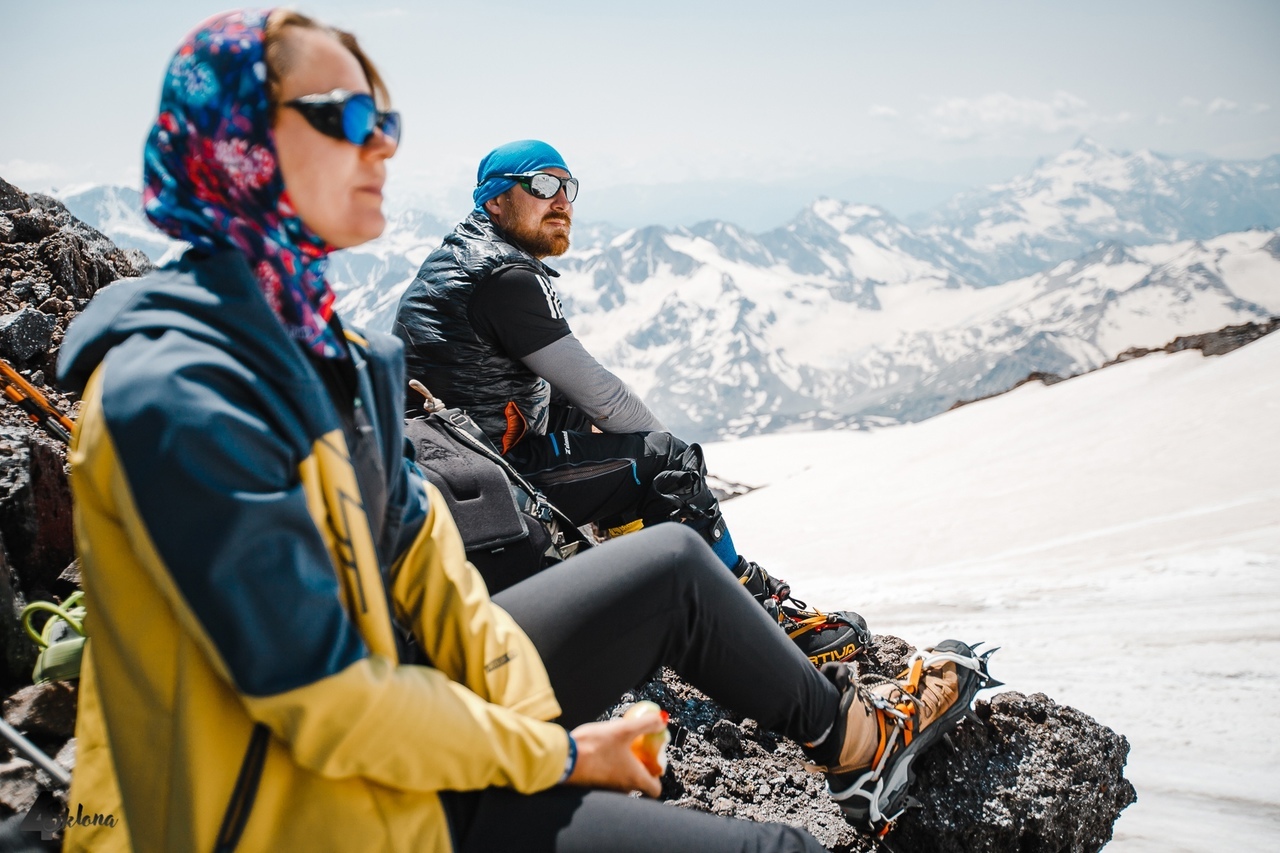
[{"x": 1117, "y": 535}]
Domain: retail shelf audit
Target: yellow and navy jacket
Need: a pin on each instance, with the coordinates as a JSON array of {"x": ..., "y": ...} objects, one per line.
[{"x": 242, "y": 686}]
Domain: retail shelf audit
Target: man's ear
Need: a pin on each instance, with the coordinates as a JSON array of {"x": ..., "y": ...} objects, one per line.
[{"x": 494, "y": 206}]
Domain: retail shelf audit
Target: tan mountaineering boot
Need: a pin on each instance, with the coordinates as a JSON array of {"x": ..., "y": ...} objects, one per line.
[{"x": 884, "y": 724}]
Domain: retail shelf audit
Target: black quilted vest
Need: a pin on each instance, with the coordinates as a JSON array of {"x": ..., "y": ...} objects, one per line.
[{"x": 443, "y": 351}]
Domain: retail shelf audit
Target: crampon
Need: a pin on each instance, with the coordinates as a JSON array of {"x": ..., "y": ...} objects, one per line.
[{"x": 873, "y": 798}]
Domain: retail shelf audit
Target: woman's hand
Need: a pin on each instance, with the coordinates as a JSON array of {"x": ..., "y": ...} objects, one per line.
[{"x": 605, "y": 759}]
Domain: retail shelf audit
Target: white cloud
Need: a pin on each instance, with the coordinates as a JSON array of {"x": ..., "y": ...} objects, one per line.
[
  {"x": 1261, "y": 108},
  {"x": 1222, "y": 105},
  {"x": 1163, "y": 119},
  {"x": 959, "y": 119},
  {"x": 881, "y": 111},
  {"x": 390, "y": 12},
  {"x": 1189, "y": 101},
  {"x": 31, "y": 176}
]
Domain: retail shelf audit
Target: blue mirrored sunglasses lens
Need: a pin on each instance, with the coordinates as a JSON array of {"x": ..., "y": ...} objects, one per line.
[
  {"x": 359, "y": 115},
  {"x": 390, "y": 126}
]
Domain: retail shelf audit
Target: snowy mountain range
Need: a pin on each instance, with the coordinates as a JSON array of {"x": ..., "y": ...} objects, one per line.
[
  {"x": 1089, "y": 194},
  {"x": 847, "y": 316}
]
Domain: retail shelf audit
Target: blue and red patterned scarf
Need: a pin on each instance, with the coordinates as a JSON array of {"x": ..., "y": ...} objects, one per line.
[{"x": 211, "y": 178}]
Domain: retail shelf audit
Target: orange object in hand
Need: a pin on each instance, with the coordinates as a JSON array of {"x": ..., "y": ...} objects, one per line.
[{"x": 651, "y": 749}]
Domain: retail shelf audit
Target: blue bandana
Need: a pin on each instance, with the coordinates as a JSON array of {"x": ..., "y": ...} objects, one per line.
[
  {"x": 514, "y": 158},
  {"x": 211, "y": 178}
]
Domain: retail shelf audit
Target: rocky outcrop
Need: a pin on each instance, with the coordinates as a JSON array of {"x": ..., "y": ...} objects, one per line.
[
  {"x": 1220, "y": 342},
  {"x": 1034, "y": 775},
  {"x": 46, "y": 715},
  {"x": 51, "y": 265}
]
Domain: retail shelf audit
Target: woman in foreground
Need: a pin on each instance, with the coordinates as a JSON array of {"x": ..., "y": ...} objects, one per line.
[{"x": 254, "y": 544}]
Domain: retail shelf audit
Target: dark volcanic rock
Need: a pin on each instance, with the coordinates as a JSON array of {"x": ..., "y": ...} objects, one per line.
[
  {"x": 17, "y": 652},
  {"x": 44, "y": 710},
  {"x": 1210, "y": 343},
  {"x": 35, "y": 534},
  {"x": 46, "y": 715},
  {"x": 32, "y": 226},
  {"x": 25, "y": 333},
  {"x": 12, "y": 198},
  {"x": 35, "y": 508},
  {"x": 51, "y": 264},
  {"x": 1034, "y": 776}
]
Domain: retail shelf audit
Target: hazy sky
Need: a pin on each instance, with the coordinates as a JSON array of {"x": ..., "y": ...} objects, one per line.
[{"x": 683, "y": 110}]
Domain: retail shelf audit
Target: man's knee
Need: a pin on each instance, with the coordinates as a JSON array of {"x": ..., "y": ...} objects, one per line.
[
  {"x": 682, "y": 482},
  {"x": 686, "y": 557},
  {"x": 665, "y": 449},
  {"x": 668, "y": 557},
  {"x": 681, "y": 544}
]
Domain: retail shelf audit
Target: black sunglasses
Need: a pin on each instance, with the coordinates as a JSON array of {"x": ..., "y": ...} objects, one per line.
[
  {"x": 544, "y": 185},
  {"x": 351, "y": 116}
]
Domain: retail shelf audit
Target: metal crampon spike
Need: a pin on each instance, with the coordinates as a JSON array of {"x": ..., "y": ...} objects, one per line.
[
  {"x": 946, "y": 738},
  {"x": 912, "y": 803},
  {"x": 983, "y": 661}
]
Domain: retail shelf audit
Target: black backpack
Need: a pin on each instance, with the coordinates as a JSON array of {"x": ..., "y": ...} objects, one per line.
[{"x": 509, "y": 528}]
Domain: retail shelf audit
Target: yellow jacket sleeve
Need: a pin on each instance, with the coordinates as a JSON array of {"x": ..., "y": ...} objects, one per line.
[
  {"x": 443, "y": 599},
  {"x": 413, "y": 728}
]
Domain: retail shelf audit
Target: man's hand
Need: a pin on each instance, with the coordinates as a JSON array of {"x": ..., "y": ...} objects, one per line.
[{"x": 605, "y": 759}]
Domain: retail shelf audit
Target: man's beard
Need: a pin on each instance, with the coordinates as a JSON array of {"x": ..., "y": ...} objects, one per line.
[{"x": 540, "y": 243}]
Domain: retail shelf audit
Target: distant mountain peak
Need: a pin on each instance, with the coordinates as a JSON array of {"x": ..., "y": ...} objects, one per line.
[
  {"x": 1089, "y": 145},
  {"x": 831, "y": 207}
]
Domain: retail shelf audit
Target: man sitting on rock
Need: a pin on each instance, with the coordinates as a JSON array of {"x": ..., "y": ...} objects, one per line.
[{"x": 485, "y": 331}]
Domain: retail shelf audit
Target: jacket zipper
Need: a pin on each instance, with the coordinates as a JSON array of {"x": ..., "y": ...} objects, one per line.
[
  {"x": 246, "y": 790},
  {"x": 578, "y": 471}
]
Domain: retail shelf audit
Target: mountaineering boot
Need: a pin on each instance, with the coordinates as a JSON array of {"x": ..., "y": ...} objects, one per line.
[
  {"x": 884, "y": 724},
  {"x": 823, "y": 637},
  {"x": 764, "y": 588}
]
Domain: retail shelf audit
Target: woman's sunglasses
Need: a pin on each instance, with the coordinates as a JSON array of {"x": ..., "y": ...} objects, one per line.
[
  {"x": 352, "y": 116},
  {"x": 544, "y": 185}
]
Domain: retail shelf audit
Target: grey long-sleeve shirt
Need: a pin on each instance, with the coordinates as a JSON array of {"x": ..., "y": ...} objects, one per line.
[{"x": 600, "y": 394}]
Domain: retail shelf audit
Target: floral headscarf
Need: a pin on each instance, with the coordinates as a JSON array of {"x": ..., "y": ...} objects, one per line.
[{"x": 211, "y": 176}]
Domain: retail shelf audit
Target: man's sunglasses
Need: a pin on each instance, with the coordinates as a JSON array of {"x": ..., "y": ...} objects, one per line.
[
  {"x": 544, "y": 185},
  {"x": 352, "y": 116}
]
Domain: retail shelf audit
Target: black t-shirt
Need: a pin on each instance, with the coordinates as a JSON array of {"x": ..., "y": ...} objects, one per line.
[{"x": 519, "y": 310}]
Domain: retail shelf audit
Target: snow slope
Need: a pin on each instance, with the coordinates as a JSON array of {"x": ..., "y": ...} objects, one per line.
[{"x": 1117, "y": 534}]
